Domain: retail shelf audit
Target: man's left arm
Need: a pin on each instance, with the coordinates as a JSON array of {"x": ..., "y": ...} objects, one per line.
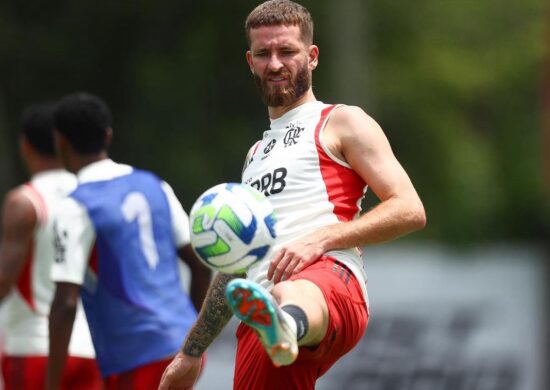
[
  {"x": 354, "y": 137},
  {"x": 18, "y": 223},
  {"x": 74, "y": 236},
  {"x": 62, "y": 315}
]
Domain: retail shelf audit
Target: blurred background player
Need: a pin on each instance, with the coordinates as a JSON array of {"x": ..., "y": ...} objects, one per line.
[
  {"x": 306, "y": 306},
  {"x": 26, "y": 256},
  {"x": 119, "y": 238}
]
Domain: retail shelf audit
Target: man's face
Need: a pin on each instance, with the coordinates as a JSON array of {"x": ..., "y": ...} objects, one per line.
[{"x": 281, "y": 63}]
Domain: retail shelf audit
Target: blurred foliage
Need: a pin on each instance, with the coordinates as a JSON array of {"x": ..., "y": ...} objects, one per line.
[
  {"x": 458, "y": 83},
  {"x": 455, "y": 84}
]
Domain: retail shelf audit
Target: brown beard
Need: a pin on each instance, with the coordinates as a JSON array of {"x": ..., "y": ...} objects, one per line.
[{"x": 284, "y": 96}]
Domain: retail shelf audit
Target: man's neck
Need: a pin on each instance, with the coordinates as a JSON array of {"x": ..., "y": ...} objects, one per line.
[
  {"x": 43, "y": 164},
  {"x": 81, "y": 161},
  {"x": 277, "y": 112}
]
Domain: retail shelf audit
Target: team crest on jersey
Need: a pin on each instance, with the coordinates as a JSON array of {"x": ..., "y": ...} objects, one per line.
[
  {"x": 59, "y": 243},
  {"x": 293, "y": 134}
]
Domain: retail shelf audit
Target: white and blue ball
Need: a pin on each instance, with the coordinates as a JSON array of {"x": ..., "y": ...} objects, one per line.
[{"x": 232, "y": 227}]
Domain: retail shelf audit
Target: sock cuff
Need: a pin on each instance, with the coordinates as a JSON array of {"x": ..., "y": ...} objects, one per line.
[{"x": 300, "y": 317}]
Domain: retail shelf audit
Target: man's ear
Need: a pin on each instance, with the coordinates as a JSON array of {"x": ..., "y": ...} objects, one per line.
[
  {"x": 24, "y": 147},
  {"x": 60, "y": 142},
  {"x": 249, "y": 60},
  {"x": 313, "y": 55},
  {"x": 108, "y": 136}
]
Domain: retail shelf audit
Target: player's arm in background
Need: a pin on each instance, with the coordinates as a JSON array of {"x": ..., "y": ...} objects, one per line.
[
  {"x": 19, "y": 219},
  {"x": 74, "y": 236},
  {"x": 354, "y": 137},
  {"x": 215, "y": 313},
  {"x": 62, "y": 315},
  {"x": 201, "y": 275}
]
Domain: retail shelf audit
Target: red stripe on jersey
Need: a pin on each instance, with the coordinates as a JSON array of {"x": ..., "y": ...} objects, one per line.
[
  {"x": 24, "y": 282},
  {"x": 255, "y": 148},
  {"x": 37, "y": 200},
  {"x": 250, "y": 155},
  {"x": 93, "y": 259},
  {"x": 344, "y": 186}
]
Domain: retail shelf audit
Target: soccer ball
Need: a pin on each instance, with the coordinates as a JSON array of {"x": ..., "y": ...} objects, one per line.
[{"x": 232, "y": 227}]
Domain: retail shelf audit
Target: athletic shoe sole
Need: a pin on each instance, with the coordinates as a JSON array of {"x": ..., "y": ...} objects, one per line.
[{"x": 255, "y": 306}]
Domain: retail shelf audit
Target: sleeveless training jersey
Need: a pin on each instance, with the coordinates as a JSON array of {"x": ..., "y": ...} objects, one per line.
[
  {"x": 307, "y": 185},
  {"x": 123, "y": 253},
  {"x": 25, "y": 310}
]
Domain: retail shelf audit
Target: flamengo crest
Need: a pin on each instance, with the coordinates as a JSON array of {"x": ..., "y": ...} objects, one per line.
[{"x": 292, "y": 134}]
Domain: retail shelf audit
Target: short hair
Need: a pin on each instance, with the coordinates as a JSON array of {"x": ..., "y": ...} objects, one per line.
[
  {"x": 83, "y": 119},
  {"x": 281, "y": 12},
  {"x": 37, "y": 128}
]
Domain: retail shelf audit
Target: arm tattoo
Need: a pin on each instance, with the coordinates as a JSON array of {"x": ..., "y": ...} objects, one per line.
[{"x": 214, "y": 315}]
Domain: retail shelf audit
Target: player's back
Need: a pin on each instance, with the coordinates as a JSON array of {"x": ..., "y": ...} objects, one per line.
[
  {"x": 133, "y": 295},
  {"x": 26, "y": 309}
]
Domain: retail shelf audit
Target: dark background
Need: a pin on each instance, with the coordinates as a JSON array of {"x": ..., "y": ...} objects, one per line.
[{"x": 457, "y": 86}]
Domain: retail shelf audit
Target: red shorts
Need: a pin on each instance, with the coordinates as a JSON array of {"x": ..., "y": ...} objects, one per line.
[
  {"x": 29, "y": 373},
  {"x": 348, "y": 319},
  {"x": 145, "y": 377}
]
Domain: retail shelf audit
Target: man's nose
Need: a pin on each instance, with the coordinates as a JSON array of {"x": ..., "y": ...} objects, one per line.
[{"x": 274, "y": 64}]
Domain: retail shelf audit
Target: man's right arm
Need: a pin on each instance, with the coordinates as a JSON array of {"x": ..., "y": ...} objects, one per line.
[
  {"x": 215, "y": 313},
  {"x": 201, "y": 275}
]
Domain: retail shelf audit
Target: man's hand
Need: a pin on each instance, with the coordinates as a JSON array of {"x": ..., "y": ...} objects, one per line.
[
  {"x": 296, "y": 255},
  {"x": 182, "y": 373}
]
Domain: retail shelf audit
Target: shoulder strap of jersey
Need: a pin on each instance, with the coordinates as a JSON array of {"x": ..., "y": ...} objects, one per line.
[
  {"x": 250, "y": 155},
  {"x": 32, "y": 194}
]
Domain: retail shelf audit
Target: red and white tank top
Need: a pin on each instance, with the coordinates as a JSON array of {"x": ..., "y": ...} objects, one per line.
[
  {"x": 25, "y": 310},
  {"x": 308, "y": 186}
]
